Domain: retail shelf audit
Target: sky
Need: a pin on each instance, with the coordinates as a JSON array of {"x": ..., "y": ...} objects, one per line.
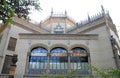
[{"x": 78, "y": 9}]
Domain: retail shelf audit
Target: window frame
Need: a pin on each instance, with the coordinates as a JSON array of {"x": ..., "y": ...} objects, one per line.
[
  {"x": 57, "y": 55},
  {"x": 37, "y": 57},
  {"x": 12, "y": 44},
  {"x": 78, "y": 53}
]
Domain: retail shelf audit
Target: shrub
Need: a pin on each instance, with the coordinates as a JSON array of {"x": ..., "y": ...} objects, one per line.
[{"x": 96, "y": 73}]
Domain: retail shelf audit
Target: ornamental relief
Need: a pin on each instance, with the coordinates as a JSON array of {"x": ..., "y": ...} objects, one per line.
[{"x": 60, "y": 37}]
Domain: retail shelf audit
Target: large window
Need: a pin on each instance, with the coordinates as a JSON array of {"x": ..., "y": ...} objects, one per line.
[
  {"x": 12, "y": 44},
  {"x": 38, "y": 58},
  {"x": 58, "y": 58},
  {"x": 78, "y": 57}
]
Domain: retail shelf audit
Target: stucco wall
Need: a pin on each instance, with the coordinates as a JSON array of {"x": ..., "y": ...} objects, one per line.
[
  {"x": 100, "y": 49},
  {"x": 23, "y": 51},
  {"x": 101, "y": 52},
  {"x": 10, "y": 31},
  {"x": 3, "y": 44}
]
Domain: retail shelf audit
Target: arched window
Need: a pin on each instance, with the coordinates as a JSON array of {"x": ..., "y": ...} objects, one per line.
[
  {"x": 58, "y": 58},
  {"x": 38, "y": 58},
  {"x": 79, "y": 58}
]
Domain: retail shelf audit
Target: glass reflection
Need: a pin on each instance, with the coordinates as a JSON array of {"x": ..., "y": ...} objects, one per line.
[
  {"x": 78, "y": 56},
  {"x": 58, "y": 58},
  {"x": 38, "y": 58}
]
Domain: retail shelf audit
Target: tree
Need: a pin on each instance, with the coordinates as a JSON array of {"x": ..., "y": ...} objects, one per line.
[{"x": 20, "y": 8}]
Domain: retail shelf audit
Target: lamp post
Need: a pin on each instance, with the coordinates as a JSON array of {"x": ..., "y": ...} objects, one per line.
[{"x": 13, "y": 66}]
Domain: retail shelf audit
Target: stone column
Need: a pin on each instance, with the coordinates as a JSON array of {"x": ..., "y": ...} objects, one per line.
[
  {"x": 69, "y": 65},
  {"x": 48, "y": 63},
  {"x": 27, "y": 63}
]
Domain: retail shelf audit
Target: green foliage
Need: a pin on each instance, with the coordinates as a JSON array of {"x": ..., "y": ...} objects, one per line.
[
  {"x": 97, "y": 73},
  {"x": 6, "y": 12},
  {"x": 105, "y": 73},
  {"x": 60, "y": 76},
  {"x": 21, "y": 8},
  {"x": 70, "y": 73}
]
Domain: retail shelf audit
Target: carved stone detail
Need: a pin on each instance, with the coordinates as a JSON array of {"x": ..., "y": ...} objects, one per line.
[{"x": 60, "y": 36}]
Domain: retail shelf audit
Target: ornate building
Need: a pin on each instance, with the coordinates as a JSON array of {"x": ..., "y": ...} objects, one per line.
[{"x": 58, "y": 45}]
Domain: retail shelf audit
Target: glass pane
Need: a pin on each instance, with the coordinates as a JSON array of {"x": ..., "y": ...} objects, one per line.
[
  {"x": 82, "y": 65},
  {"x": 66, "y": 65},
  {"x": 37, "y": 65},
  {"x": 41, "y": 65},
  {"x": 63, "y": 59},
  {"x": 51, "y": 66},
  {"x": 54, "y": 65},
  {"x": 75, "y": 66},
  {"x": 58, "y": 50},
  {"x": 30, "y": 65},
  {"x": 45, "y": 65},
  {"x": 58, "y": 65},
  {"x": 72, "y": 65},
  {"x": 62, "y": 65},
  {"x": 79, "y": 66},
  {"x": 33, "y": 65}
]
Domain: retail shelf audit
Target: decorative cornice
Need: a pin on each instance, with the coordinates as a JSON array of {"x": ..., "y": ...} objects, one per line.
[
  {"x": 59, "y": 36},
  {"x": 24, "y": 24},
  {"x": 87, "y": 26},
  {"x": 27, "y": 25},
  {"x": 92, "y": 28}
]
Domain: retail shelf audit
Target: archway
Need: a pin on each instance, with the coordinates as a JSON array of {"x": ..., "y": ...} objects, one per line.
[
  {"x": 58, "y": 58},
  {"x": 38, "y": 58}
]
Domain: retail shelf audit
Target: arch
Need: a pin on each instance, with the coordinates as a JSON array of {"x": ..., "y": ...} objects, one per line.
[
  {"x": 79, "y": 56},
  {"x": 79, "y": 45},
  {"x": 38, "y": 58},
  {"x": 39, "y": 50},
  {"x": 59, "y": 45},
  {"x": 58, "y": 50},
  {"x": 38, "y": 45},
  {"x": 58, "y": 58}
]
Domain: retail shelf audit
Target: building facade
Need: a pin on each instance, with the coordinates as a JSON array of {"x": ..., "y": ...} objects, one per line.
[{"x": 58, "y": 45}]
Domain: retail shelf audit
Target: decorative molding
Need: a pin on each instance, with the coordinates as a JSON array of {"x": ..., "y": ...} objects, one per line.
[
  {"x": 92, "y": 28},
  {"x": 95, "y": 23},
  {"x": 59, "y": 36},
  {"x": 27, "y": 25},
  {"x": 68, "y": 42}
]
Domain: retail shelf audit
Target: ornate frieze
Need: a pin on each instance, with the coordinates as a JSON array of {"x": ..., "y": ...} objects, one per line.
[{"x": 60, "y": 36}]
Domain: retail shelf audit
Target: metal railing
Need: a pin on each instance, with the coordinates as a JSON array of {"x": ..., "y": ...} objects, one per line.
[{"x": 82, "y": 69}]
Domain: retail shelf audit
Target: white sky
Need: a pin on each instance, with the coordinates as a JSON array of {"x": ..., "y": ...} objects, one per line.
[{"x": 79, "y": 9}]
